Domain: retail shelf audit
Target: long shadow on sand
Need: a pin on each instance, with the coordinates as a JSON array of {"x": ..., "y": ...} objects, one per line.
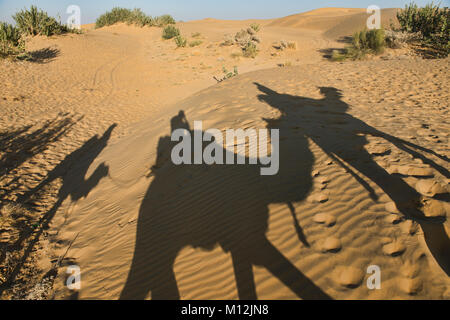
[
  {"x": 204, "y": 206},
  {"x": 72, "y": 171}
]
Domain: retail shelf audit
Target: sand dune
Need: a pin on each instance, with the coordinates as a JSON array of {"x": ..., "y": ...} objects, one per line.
[
  {"x": 174, "y": 224},
  {"x": 364, "y": 165},
  {"x": 333, "y": 22}
]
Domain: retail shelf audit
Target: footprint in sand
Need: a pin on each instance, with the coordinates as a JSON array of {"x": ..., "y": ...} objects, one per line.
[
  {"x": 318, "y": 198},
  {"x": 430, "y": 188},
  {"x": 350, "y": 277},
  {"x": 394, "y": 249},
  {"x": 394, "y": 219},
  {"x": 325, "y": 218},
  {"x": 331, "y": 244}
]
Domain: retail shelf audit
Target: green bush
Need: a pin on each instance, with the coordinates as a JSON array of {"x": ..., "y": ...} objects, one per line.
[
  {"x": 37, "y": 22},
  {"x": 336, "y": 55},
  {"x": 195, "y": 43},
  {"x": 163, "y": 20},
  {"x": 196, "y": 35},
  {"x": 10, "y": 40},
  {"x": 255, "y": 27},
  {"x": 227, "y": 74},
  {"x": 363, "y": 42},
  {"x": 370, "y": 40},
  {"x": 429, "y": 20},
  {"x": 170, "y": 32},
  {"x": 135, "y": 16},
  {"x": 139, "y": 18},
  {"x": 117, "y": 15},
  {"x": 250, "y": 50},
  {"x": 180, "y": 41}
]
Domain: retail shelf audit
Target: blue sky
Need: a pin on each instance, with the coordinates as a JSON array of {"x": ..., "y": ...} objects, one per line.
[{"x": 195, "y": 9}]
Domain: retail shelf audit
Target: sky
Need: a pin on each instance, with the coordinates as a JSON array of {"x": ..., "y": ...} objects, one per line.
[{"x": 195, "y": 9}]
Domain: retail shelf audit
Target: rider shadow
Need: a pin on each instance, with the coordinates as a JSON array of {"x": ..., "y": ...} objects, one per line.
[
  {"x": 203, "y": 206},
  {"x": 208, "y": 205},
  {"x": 72, "y": 171},
  {"x": 342, "y": 138}
]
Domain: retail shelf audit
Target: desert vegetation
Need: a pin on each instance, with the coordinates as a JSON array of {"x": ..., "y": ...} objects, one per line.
[
  {"x": 11, "y": 43},
  {"x": 256, "y": 27},
  {"x": 363, "y": 42},
  {"x": 246, "y": 39},
  {"x": 195, "y": 43},
  {"x": 136, "y": 17},
  {"x": 429, "y": 25},
  {"x": 283, "y": 45},
  {"x": 180, "y": 41},
  {"x": 29, "y": 22},
  {"x": 35, "y": 22},
  {"x": 170, "y": 32},
  {"x": 425, "y": 29},
  {"x": 227, "y": 74}
]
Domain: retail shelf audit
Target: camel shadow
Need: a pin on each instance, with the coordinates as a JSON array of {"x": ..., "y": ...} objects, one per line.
[{"x": 203, "y": 206}]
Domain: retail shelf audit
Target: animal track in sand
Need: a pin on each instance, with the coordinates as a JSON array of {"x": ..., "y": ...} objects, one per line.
[
  {"x": 325, "y": 219},
  {"x": 350, "y": 277},
  {"x": 394, "y": 249},
  {"x": 331, "y": 244}
]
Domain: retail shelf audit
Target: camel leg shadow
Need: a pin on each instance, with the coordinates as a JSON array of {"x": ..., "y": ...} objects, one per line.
[{"x": 264, "y": 254}]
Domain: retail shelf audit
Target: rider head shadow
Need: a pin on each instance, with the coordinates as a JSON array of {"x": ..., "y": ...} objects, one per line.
[{"x": 205, "y": 206}]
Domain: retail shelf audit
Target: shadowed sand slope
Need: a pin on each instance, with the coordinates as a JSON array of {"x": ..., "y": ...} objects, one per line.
[{"x": 350, "y": 193}]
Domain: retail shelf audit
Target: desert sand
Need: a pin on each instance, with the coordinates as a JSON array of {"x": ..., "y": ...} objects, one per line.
[{"x": 85, "y": 143}]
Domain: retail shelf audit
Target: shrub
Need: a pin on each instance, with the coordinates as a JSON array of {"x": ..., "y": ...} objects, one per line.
[
  {"x": 336, "y": 55},
  {"x": 180, "y": 41},
  {"x": 250, "y": 50},
  {"x": 429, "y": 20},
  {"x": 400, "y": 39},
  {"x": 227, "y": 74},
  {"x": 163, "y": 20},
  {"x": 370, "y": 40},
  {"x": 37, "y": 22},
  {"x": 228, "y": 40},
  {"x": 196, "y": 35},
  {"x": 10, "y": 40},
  {"x": 292, "y": 45},
  {"x": 135, "y": 16},
  {"x": 195, "y": 43},
  {"x": 139, "y": 18},
  {"x": 363, "y": 43},
  {"x": 170, "y": 32},
  {"x": 255, "y": 27},
  {"x": 117, "y": 15}
]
